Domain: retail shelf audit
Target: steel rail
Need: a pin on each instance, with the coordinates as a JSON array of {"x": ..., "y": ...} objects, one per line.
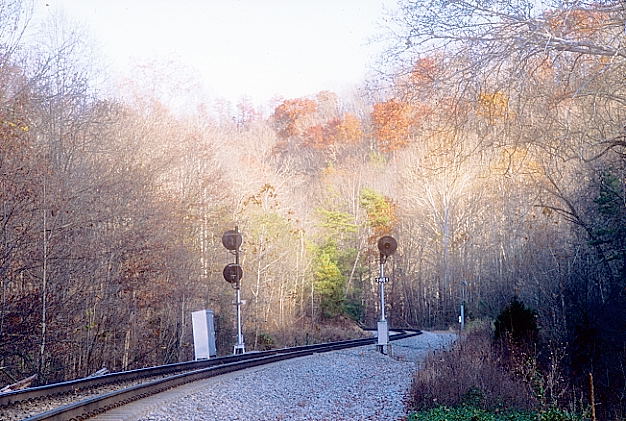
[
  {"x": 194, "y": 370},
  {"x": 70, "y": 386}
]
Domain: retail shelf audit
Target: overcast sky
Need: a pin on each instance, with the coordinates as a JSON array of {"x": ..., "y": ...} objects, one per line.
[{"x": 255, "y": 48}]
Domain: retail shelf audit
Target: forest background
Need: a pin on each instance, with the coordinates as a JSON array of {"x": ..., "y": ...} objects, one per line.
[{"x": 492, "y": 146}]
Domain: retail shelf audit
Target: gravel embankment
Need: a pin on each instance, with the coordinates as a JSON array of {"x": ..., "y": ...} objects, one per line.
[
  {"x": 27, "y": 409},
  {"x": 352, "y": 384}
]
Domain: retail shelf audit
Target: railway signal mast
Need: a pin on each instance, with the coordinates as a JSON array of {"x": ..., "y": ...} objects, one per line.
[
  {"x": 233, "y": 273},
  {"x": 387, "y": 245}
]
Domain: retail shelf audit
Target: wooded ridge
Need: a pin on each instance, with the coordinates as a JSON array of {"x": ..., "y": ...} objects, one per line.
[{"x": 493, "y": 149}]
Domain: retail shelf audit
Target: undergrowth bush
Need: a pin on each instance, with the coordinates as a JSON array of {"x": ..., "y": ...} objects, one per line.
[
  {"x": 470, "y": 373},
  {"x": 537, "y": 364},
  {"x": 517, "y": 322}
]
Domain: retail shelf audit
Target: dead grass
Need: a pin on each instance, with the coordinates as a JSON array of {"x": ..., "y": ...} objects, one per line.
[
  {"x": 470, "y": 373},
  {"x": 305, "y": 333}
]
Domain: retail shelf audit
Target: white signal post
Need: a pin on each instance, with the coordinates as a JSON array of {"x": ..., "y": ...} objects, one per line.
[
  {"x": 240, "y": 347},
  {"x": 387, "y": 246},
  {"x": 462, "y": 315},
  {"x": 383, "y": 329}
]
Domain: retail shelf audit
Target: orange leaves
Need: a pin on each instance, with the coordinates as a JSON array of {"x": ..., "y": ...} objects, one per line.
[
  {"x": 425, "y": 71},
  {"x": 290, "y": 116},
  {"x": 394, "y": 122},
  {"x": 265, "y": 198},
  {"x": 577, "y": 23},
  {"x": 318, "y": 136},
  {"x": 316, "y": 123},
  {"x": 349, "y": 130},
  {"x": 336, "y": 131}
]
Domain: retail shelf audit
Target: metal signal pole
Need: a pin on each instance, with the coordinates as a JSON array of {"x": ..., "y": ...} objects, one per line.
[{"x": 233, "y": 273}]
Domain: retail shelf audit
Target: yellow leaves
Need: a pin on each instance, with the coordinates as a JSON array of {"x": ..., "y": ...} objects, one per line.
[
  {"x": 442, "y": 140},
  {"x": 19, "y": 125},
  {"x": 329, "y": 171},
  {"x": 516, "y": 160},
  {"x": 381, "y": 211},
  {"x": 494, "y": 105},
  {"x": 12, "y": 136}
]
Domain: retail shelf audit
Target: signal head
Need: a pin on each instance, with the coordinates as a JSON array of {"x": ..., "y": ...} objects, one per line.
[{"x": 387, "y": 245}]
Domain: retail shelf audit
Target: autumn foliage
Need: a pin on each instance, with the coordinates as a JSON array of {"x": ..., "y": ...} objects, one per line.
[
  {"x": 290, "y": 116},
  {"x": 425, "y": 71},
  {"x": 335, "y": 132},
  {"x": 493, "y": 105},
  {"x": 316, "y": 124},
  {"x": 394, "y": 122},
  {"x": 576, "y": 24},
  {"x": 381, "y": 212},
  {"x": 499, "y": 165},
  {"x": 348, "y": 130}
]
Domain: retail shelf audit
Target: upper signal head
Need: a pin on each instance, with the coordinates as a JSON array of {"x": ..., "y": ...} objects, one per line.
[{"x": 387, "y": 245}]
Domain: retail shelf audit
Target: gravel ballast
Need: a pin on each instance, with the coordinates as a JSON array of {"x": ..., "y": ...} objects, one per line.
[{"x": 352, "y": 384}]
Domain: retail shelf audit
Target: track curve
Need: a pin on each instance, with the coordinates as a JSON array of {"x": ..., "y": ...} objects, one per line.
[{"x": 168, "y": 376}]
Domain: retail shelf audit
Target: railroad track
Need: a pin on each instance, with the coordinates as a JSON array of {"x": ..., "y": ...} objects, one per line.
[{"x": 91, "y": 396}]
